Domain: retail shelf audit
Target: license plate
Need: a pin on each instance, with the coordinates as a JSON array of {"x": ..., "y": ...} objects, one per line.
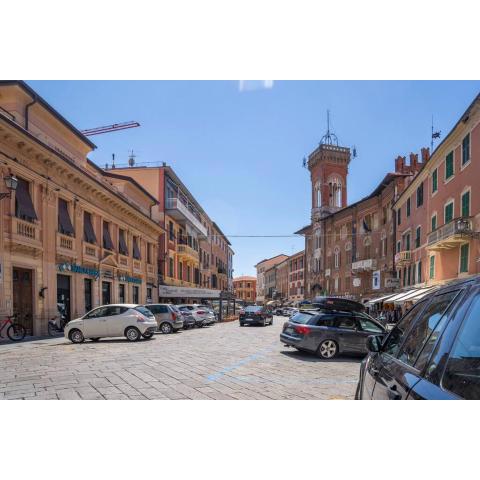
[{"x": 289, "y": 330}]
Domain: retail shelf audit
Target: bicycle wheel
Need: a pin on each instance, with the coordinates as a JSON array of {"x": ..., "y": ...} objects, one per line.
[{"x": 16, "y": 332}]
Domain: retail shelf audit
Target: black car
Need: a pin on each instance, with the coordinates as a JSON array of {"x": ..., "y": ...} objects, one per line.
[
  {"x": 432, "y": 353},
  {"x": 330, "y": 332},
  {"x": 255, "y": 315}
]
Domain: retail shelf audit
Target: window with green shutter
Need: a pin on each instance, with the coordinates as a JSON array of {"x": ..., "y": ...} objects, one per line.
[
  {"x": 417, "y": 237},
  {"x": 464, "y": 258},
  {"x": 432, "y": 267},
  {"x": 408, "y": 207},
  {"x": 420, "y": 195},
  {"x": 466, "y": 150},
  {"x": 419, "y": 272},
  {"x": 434, "y": 222},
  {"x": 466, "y": 204},
  {"x": 399, "y": 216},
  {"x": 448, "y": 212},
  {"x": 434, "y": 181},
  {"x": 449, "y": 166}
]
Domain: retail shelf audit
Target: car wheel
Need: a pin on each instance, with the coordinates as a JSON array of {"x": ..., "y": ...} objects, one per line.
[
  {"x": 96, "y": 339},
  {"x": 165, "y": 327},
  {"x": 242, "y": 324},
  {"x": 132, "y": 334},
  {"x": 147, "y": 335},
  {"x": 327, "y": 349},
  {"x": 76, "y": 336}
]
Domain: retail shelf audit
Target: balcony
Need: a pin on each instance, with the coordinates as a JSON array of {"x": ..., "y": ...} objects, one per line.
[
  {"x": 366, "y": 265},
  {"x": 449, "y": 235},
  {"x": 137, "y": 266},
  {"x": 186, "y": 251},
  {"x": 175, "y": 282},
  {"x": 90, "y": 251},
  {"x": 25, "y": 234},
  {"x": 403, "y": 258},
  {"x": 178, "y": 210},
  {"x": 65, "y": 245},
  {"x": 221, "y": 271},
  {"x": 123, "y": 260}
]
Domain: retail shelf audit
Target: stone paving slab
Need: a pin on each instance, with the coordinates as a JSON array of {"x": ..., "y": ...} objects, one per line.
[{"x": 220, "y": 362}]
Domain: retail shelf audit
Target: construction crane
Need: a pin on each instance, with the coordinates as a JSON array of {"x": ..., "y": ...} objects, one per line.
[{"x": 109, "y": 128}]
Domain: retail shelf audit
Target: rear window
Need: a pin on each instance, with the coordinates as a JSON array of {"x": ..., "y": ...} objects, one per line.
[
  {"x": 144, "y": 311},
  {"x": 302, "y": 317},
  {"x": 253, "y": 309}
]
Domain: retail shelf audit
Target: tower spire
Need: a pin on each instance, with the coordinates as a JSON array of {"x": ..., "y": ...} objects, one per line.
[{"x": 329, "y": 138}]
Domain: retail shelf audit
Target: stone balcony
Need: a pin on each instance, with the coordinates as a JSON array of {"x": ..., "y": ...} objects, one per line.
[
  {"x": 90, "y": 251},
  {"x": 403, "y": 258},
  {"x": 450, "y": 235},
  {"x": 65, "y": 245},
  {"x": 188, "y": 252},
  {"x": 25, "y": 234}
]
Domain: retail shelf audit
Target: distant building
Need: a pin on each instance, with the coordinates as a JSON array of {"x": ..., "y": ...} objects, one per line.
[
  {"x": 245, "y": 288},
  {"x": 296, "y": 280},
  {"x": 261, "y": 267}
]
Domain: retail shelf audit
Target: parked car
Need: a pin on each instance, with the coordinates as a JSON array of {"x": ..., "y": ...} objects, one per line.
[
  {"x": 256, "y": 315},
  {"x": 169, "y": 320},
  {"x": 202, "y": 314},
  {"x": 281, "y": 311},
  {"x": 329, "y": 333},
  {"x": 433, "y": 352},
  {"x": 129, "y": 320},
  {"x": 188, "y": 319},
  {"x": 291, "y": 311}
]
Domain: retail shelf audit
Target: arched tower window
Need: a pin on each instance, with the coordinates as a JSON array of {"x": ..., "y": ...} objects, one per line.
[
  {"x": 318, "y": 195},
  {"x": 335, "y": 191}
]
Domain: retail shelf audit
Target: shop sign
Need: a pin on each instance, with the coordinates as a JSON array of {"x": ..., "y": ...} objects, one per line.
[
  {"x": 126, "y": 278},
  {"x": 392, "y": 282},
  {"x": 376, "y": 280},
  {"x": 74, "y": 268},
  {"x": 186, "y": 292}
]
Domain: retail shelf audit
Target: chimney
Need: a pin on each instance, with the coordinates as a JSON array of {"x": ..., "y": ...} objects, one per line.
[
  {"x": 425, "y": 155},
  {"x": 399, "y": 164},
  {"x": 414, "y": 162}
]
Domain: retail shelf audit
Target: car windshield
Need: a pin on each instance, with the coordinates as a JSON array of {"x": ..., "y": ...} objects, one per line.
[
  {"x": 254, "y": 309},
  {"x": 301, "y": 317},
  {"x": 174, "y": 308},
  {"x": 144, "y": 311}
]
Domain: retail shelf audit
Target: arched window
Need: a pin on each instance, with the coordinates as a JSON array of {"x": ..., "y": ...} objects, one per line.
[
  {"x": 336, "y": 254},
  {"x": 318, "y": 195},
  {"x": 335, "y": 187}
]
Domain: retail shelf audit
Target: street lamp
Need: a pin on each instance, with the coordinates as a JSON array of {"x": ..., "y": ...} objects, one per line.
[{"x": 11, "y": 183}]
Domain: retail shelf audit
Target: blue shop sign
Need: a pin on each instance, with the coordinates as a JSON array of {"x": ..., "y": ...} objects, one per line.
[
  {"x": 126, "y": 278},
  {"x": 74, "y": 268}
]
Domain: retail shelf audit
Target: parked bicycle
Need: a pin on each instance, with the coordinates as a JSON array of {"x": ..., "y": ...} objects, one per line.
[{"x": 15, "y": 331}]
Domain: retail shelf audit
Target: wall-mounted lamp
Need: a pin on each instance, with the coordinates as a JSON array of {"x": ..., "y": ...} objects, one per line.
[
  {"x": 40, "y": 293},
  {"x": 11, "y": 182}
]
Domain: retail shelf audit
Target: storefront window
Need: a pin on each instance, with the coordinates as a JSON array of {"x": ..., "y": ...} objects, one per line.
[
  {"x": 136, "y": 294},
  {"x": 87, "y": 286},
  {"x": 121, "y": 293}
]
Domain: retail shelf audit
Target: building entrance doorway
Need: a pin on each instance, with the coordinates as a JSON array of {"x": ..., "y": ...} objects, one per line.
[
  {"x": 64, "y": 296},
  {"x": 106, "y": 293},
  {"x": 23, "y": 297}
]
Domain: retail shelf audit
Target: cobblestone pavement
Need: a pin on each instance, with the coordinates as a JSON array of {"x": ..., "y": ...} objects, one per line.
[{"x": 220, "y": 362}]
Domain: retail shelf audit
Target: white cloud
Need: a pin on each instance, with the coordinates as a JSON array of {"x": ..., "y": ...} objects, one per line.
[{"x": 250, "y": 85}]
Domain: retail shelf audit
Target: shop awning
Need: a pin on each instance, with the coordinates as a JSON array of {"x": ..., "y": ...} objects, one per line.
[
  {"x": 381, "y": 299},
  {"x": 415, "y": 296},
  {"x": 400, "y": 295}
]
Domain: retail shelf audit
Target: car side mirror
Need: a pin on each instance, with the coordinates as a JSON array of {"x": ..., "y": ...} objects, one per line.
[{"x": 374, "y": 343}]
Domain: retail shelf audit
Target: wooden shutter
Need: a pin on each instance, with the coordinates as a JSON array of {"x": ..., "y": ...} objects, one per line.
[
  {"x": 88, "y": 232},
  {"x": 107, "y": 239},
  {"x": 23, "y": 202},
  {"x": 64, "y": 223}
]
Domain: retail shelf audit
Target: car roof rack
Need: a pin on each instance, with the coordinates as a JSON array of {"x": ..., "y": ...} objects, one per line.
[{"x": 338, "y": 304}]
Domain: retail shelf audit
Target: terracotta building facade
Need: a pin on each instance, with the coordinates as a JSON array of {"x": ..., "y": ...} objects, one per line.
[
  {"x": 245, "y": 288},
  {"x": 70, "y": 233},
  {"x": 262, "y": 267}
]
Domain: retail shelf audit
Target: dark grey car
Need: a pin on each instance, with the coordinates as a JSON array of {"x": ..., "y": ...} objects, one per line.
[{"x": 329, "y": 333}]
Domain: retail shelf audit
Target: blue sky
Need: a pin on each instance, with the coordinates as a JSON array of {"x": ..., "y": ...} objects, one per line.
[{"x": 240, "y": 152}]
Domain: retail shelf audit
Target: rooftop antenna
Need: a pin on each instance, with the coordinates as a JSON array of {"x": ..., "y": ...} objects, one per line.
[
  {"x": 434, "y": 135},
  {"x": 113, "y": 160},
  {"x": 329, "y": 138},
  {"x": 131, "y": 159}
]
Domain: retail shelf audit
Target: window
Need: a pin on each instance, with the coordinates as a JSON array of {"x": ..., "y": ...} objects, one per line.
[
  {"x": 423, "y": 328},
  {"x": 121, "y": 293},
  {"x": 64, "y": 224},
  {"x": 369, "y": 326},
  {"x": 394, "y": 340},
  {"x": 464, "y": 258},
  {"x": 449, "y": 166},
  {"x": 346, "y": 323},
  {"x": 466, "y": 150},
  {"x": 88, "y": 232},
  {"x": 435, "y": 181},
  {"x": 23, "y": 202},
  {"x": 408, "y": 207},
  {"x": 466, "y": 204},
  {"x": 407, "y": 242},
  {"x": 448, "y": 212},
  {"x": 149, "y": 253},
  {"x": 107, "y": 239},
  {"x": 180, "y": 271},
  {"x": 462, "y": 375},
  {"x": 399, "y": 246},
  {"x": 434, "y": 222},
  {"x": 87, "y": 287},
  {"x": 170, "y": 267},
  {"x": 122, "y": 244},
  {"x": 420, "y": 195},
  {"x": 419, "y": 272},
  {"x": 432, "y": 267},
  {"x": 171, "y": 231},
  {"x": 417, "y": 237},
  {"x": 136, "y": 249},
  {"x": 399, "y": 216},
  {"x": 149, "y": 294}
]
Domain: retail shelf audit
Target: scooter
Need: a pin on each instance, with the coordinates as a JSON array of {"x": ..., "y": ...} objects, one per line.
[{"x": 57, "y": 324}]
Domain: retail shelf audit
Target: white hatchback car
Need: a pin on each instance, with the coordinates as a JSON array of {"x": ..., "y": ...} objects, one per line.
[
  {"x": 121, "y": 320},
  {"x": 202, "y": 314}
]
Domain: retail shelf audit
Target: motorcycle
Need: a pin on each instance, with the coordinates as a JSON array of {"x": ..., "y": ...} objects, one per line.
[{"x": 57, "y": 324}]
